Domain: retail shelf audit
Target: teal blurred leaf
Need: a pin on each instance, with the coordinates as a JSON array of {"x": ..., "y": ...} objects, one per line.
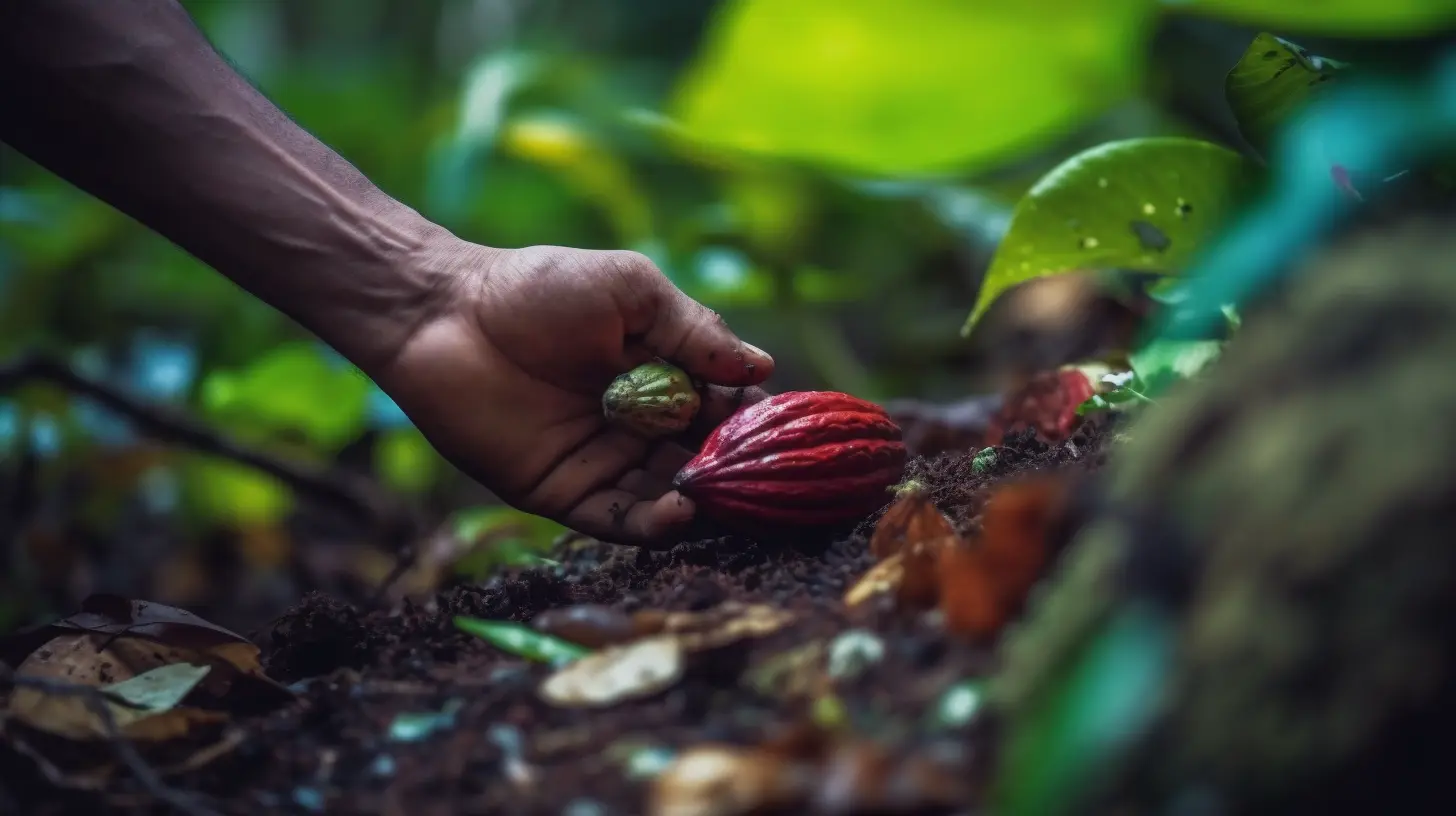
[
  {"x": 413, "y": 726},
  {"x": 1376, "y": 127},
  {"x": 457, "y": 161},
  {"x": 1058, "y": 748},
  {"x": 521, "y": 640},
  {"x": 1271, "y": 82},
  {"x": 885, "y": 87},
  {"x": 724, "y": 276},
  {"x": 1161, "y": 363},
  {"x": 1137, "y": 204},
  {"x": 22, "y": 206},
  {"x": 1343, "y": 18}
]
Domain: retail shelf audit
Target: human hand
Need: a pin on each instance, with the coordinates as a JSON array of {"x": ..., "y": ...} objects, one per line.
[{"x": 504, "y": 372}]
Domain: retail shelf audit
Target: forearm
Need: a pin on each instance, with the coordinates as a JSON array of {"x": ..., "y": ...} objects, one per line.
[{"x": 127, "y": 100}]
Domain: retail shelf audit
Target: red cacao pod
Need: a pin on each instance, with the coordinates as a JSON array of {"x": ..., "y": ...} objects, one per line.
[
  {"x": 1047, "y": 402},
  {"x": 802, "y": 458}
]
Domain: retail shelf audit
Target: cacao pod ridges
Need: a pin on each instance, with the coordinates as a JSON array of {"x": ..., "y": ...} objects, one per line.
[
  {"x": 654, "y": 399},
  {"x": 799, "y": 459}
]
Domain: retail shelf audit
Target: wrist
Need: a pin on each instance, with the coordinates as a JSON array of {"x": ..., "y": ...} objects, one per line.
[{"x": 401, "y": 272}]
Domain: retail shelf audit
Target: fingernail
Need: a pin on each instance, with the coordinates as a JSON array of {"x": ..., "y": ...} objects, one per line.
[{"x": 752, "y": 349}]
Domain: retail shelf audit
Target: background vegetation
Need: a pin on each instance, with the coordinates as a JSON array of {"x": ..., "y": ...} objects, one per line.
[{"x": 834, "y": 176}]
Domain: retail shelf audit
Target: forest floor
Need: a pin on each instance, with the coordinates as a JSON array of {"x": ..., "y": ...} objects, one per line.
[{"x": 358, "y": 738}]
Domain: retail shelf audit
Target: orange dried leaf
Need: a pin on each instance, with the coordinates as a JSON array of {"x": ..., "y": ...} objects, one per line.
[
  {"x": 1015, "y": 529},
  {"x": 970, "y": 598},
  {"x": 920, "y": 583},
  {"x": 912, "y": 518}
]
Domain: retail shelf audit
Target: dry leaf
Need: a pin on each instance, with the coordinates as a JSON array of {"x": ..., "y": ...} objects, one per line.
[
  {"x": 969, "y": 596},
  {"x": 591, "y": 625},
  {"x": 157, "y": 690},
  {"x": 797, "y": 673},
  {"x": 618, "y": 673},
  {"x": 853, "y": 779},
  {"x": 911, "y": 519},
  {"x": 882, "y": 577},
  {"x": 1016, "y": 528},
  {"x": 728, "y": 623},
  {"x": 112, "y": 640},
  {"x": 723, "y": 780},
  {"x": 983, "y": 585},
  {"x": 919, "y": 586}
]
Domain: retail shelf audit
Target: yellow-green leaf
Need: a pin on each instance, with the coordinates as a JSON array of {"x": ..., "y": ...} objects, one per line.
[
  {"x": 230, "y": 493},
  {"x": 406, "y": 461},
  {"x": 1137, "y": 204},
  {"x": 1271, "y": 82},
  {"x": 888, "y": 87},
  {"x": 292, "y": 388},
  {"x": 1344, "y": 18}
]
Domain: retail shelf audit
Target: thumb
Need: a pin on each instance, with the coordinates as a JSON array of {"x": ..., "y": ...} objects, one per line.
[{"x": 695, "y": 338}]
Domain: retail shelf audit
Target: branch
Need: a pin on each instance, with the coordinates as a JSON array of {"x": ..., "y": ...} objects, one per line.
[
  {"x": 96, "y": 699},
  {"x": 342, "y": 489}
]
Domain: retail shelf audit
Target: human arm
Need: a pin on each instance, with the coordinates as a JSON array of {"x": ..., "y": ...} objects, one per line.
[{"x": 499, "y": 356}]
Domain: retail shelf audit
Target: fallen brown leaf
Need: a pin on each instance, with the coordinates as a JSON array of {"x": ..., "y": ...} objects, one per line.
[
  {"x": 911, "y": 519},
  {"x": 919, "y": 586},
  {"x": 984, "y": 584},
  {"x": 724, "y": 780},
  {"x": 624, "y": 672}
]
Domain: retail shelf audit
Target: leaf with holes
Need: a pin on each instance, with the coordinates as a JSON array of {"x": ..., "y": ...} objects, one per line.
[
  {"x": 1136, "y": 204},
  {"x": 1271, "y": 82}
]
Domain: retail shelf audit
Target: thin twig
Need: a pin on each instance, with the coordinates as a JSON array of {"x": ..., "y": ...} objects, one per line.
[
  {"x": 404, "y": 559},
  {"x": 96, "y": 699},
  {"x": 340, "y": 488}
]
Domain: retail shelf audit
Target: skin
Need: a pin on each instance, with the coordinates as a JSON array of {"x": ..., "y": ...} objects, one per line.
[{"x": 499, "y": 356}]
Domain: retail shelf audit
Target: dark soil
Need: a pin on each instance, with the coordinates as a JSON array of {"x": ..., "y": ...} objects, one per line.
[{"x": 332, "y": 752}]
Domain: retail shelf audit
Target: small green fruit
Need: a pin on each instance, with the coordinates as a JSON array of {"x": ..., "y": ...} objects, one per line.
[{"x": 653, "y": 399}]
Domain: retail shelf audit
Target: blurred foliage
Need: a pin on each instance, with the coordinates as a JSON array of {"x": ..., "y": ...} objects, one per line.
[
  {"x": 1270, "y": 83},
  {"x": 877, "y": 86},
  {"x": 1350, "y": 18},
  {"x": 836, "y": 178}
]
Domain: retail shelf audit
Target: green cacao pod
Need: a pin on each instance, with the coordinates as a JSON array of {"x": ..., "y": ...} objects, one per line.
[{"x": 653, "y": 399}]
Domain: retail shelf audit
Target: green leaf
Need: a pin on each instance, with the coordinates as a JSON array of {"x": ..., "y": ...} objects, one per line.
[
  {"x": 406, "y": 461},
  {"x": 1161, "y": 363},
  {"x": 292, "y": 388},
  {"x": 159, "y": 689},
  {"x": 587, "y": 164},
  {"x": 227, "y": 492},
  {"x": 414, "y": 726},
  {"x": 502, "y": 537},
  {"x": 1343, "y": 18},
  {"x": 1271, "y": 82},
  {"x": 1136, "y": 204},
  {"x": 1080, "y": 724},
  {"x": 521, "y": 640},
  {"x": 885, "y": 87}
]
